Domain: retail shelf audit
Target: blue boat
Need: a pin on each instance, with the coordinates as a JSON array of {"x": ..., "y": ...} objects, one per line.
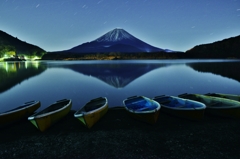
[
  {"x": 180, "y": 107},
  {"x": 142, "y": 108}
]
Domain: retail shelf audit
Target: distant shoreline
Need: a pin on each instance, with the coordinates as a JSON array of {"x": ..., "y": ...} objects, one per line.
[{"x": 173, "y": 57}]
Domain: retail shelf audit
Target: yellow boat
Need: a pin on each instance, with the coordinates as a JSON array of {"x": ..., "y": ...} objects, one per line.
[
  {"x": 50, "y": 115},
  {"x": 18, "y": 113},
  {"x": 216, "y": 106},
  {"x": 94, "y": 110},
  {"x": 142, "y": 108}
]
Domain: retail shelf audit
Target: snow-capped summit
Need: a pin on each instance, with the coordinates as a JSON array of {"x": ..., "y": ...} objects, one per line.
[
  {"x": 116, "y": 40},
  {"x": 115, "y": 35}
]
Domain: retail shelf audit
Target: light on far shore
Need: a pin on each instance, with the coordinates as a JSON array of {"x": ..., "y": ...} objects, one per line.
[{"x": 31, "y": 58}]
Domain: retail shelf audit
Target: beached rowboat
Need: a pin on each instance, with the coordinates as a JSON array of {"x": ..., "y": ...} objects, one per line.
[
  {"x": 142, "y": 108},
  {"x": 180, "y": 107},
  {"x": 18, "y": 113},
  {"x": 94, "y": 110},
  {"x": 216, "y": 106},
  {"x": 227, "y": 96},
  {"x": 50, "y": 115}
]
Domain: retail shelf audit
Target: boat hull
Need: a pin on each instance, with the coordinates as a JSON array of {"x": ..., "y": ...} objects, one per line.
[
  {"x": 186, "y": 114},
  {"x": 44, "y": 121},
  {"x": 92, "y": 112},
  {"x": 91, "y": 119},
  {"x": 150, "y": 118},
  {"x": 18, "y": 114},
  {"x": 230, "y": 113}
]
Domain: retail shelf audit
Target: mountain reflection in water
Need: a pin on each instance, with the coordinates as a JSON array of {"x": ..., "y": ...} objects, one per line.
[{"x": 116, "y": 75}]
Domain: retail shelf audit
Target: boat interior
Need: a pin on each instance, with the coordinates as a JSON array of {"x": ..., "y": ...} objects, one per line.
[
  {"x": 209, "y": 102},
  {"x": 94, "y": 104},
  {"x": 139, "y": 103},
  {"x": 54, "y": 107},
  {"x": 20, "y": 107}
]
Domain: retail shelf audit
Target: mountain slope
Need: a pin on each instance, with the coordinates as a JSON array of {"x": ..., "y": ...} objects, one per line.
[
  {"x": 10, "y": 45},
  {"x": 227, "y": 48},
  {"x": 117, "y": 40}
]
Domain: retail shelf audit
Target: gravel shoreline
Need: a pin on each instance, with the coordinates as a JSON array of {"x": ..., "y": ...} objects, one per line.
[{"x": 117, "y": 135}]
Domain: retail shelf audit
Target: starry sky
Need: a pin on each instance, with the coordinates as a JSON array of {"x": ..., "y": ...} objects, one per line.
[{"x": 56, "y": 25}]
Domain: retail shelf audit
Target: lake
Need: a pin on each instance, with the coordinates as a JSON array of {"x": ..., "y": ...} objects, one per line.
[{"x": 81, "y": 81}]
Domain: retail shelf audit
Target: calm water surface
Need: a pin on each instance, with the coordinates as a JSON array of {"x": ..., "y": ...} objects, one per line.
[{"x": 82, "y": 81}]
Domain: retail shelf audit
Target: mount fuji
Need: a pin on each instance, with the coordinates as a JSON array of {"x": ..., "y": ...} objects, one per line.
[{"x": 117, "y": 40}]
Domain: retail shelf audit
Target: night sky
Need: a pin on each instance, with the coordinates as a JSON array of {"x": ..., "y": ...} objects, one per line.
[{"x": 56, "y": 25}]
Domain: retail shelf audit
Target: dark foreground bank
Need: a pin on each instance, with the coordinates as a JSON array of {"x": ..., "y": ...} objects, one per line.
[{"x": 117, "y": 135}]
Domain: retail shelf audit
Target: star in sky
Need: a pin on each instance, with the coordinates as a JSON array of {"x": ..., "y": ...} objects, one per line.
[{"x": 176, "y": 25}]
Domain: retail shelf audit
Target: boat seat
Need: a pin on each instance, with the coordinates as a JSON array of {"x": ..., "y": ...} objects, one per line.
[{"x": 165, "y": 102}]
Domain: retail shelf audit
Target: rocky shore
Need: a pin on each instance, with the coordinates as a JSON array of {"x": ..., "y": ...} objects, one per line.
[{"x": 117, "y": 135}]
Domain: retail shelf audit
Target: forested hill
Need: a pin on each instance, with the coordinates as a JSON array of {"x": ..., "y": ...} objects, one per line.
[
  {"x": 10, "y": 46},
  {"x": 227, "y": 48}
]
